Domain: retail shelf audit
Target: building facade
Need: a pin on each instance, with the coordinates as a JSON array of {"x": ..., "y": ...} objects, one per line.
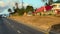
[{"x": 56, "y": 7}]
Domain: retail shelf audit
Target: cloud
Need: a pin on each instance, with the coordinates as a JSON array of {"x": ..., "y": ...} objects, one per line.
[
  {"x": 25, "y": 5},
  {"x": 2, "y": 4},
  {"x": 19, "y": 4},
  {"x": 11, "y": 3}
]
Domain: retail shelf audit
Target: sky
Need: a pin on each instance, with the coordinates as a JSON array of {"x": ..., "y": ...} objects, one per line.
[
  {"x": 4, "y": 4},
  {"x": 34, "y": 3}
]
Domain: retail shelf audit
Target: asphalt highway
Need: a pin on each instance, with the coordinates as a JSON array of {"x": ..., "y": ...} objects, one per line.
[{"x": 8, "y": 26}]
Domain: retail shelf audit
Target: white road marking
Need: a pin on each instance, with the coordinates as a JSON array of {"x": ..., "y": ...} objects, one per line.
[{"x": 18, "y": 31}]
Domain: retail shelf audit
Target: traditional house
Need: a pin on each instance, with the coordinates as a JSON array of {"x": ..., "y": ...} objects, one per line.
[
  {"x": 44, "y": 10},
  {"x": 49, "y": 9},
  {"x": 56, "y": 7}
]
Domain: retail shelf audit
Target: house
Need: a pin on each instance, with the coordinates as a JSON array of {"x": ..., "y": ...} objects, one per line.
[
  {"x": 56, "y": 7},
  {"x": 44, "y": 10},
  {"x": 49, "y": 9},
  {"x": 39, "y": 11}
]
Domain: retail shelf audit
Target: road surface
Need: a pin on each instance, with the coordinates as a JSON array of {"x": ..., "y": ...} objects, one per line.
[{"x": 8, "y": 26}]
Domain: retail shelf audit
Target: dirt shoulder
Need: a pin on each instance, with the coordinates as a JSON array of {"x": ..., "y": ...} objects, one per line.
[{"x": 40, "y": 22}]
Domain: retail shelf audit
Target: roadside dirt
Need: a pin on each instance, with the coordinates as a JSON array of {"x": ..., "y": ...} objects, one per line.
[{"x": 41, "y": 22}]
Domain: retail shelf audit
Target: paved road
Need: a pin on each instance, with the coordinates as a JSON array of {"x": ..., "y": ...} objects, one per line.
[{"x": 8, "y": 26}]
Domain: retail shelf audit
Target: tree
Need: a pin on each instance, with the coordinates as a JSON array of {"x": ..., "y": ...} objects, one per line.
[
  {"x": 9, "y": 10},
  {"x": 14, "y": 10},
  {"x": 29, "y": 8},
  {"x": 21, "y": 12},
  {"x": 16, "y": 4},
  {"x": 49, "y": 1},
  {"x": 18, "y": 11}
]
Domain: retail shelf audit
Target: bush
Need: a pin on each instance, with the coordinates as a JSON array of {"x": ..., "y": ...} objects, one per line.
[
  {"x": 50, "y": 14},
  {"x": 43, "y": 14}
]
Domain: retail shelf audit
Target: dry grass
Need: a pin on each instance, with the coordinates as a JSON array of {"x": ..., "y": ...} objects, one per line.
[{"x": 41, "y": 22}]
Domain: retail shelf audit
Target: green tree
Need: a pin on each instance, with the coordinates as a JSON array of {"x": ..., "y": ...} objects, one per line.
[
  {"x": 29, "y": 8},
  {"x": 17, "y": 10},
  {"x": 49, "y": 2},
  {"x": 16, "y": 4},
  {"x": 21, "y": 11},
  {"x": 14, "y": 10},
  {"x": 10, "y": 11}
]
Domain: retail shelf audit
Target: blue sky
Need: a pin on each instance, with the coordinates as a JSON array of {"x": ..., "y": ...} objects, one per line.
[{"x": 34, "y": 3}]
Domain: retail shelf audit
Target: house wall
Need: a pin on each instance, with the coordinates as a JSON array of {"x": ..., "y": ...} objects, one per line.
[
  {"x": 47, "y": 13},
  {"x": 57, "y": 6}
]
